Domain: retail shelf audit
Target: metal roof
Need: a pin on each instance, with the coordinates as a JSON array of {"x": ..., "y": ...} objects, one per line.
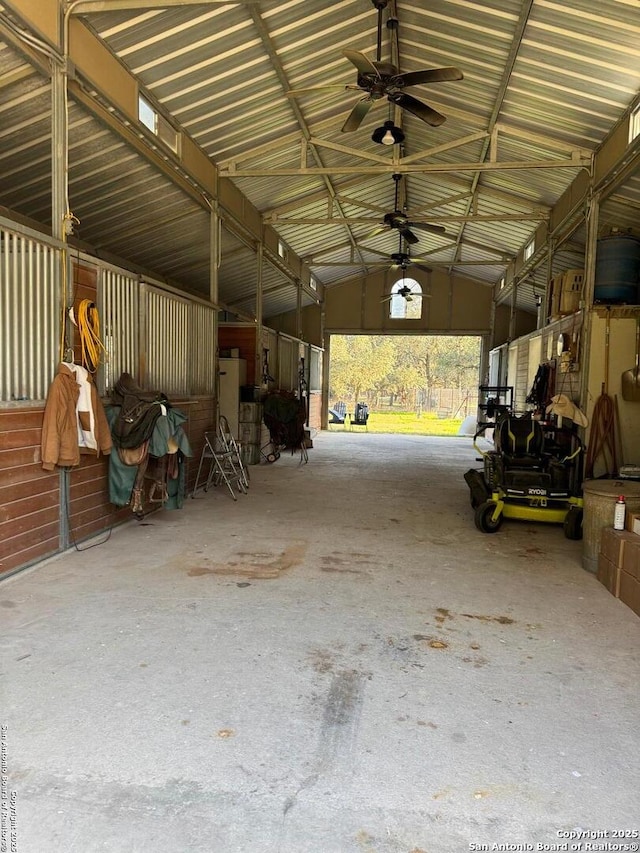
[{"x": 542, "y": 80}]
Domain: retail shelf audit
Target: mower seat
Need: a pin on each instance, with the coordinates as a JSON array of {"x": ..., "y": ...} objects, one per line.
[{"x": 520, "y": 442}]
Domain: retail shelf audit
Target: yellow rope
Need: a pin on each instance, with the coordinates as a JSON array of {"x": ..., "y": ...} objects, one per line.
[{"x": 89, "y": 331}]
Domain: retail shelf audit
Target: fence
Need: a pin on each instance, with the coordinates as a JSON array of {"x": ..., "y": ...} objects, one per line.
[{"x": 445, "y": 402}]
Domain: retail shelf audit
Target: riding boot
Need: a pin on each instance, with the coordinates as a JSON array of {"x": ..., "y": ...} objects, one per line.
[{"x": 136, "y": 503}]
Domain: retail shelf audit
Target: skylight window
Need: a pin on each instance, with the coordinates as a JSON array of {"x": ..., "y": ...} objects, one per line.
[
  {"x": 529, "y": 249},
  {"x": 157, "y": 124},
  {"x": 147, "y": 115},
  {"x": 634, "y": 124}
]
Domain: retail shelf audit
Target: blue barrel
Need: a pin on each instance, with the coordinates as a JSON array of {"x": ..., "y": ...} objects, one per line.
[{"x": 618, "y": 270}]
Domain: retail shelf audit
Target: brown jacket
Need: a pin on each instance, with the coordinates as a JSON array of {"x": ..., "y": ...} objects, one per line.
[{"x": 60, "y": 441}]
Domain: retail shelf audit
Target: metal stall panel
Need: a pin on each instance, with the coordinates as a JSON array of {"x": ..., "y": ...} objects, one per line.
[
  {"x": 119, "y": 307},
  {"x": 202, "y": 337},
  {"x": 167, "y": 342},
  {"x": 29, "y": 315},
  {"x": 269, "y": 357},
  {"x": 287, "y": 364},
  {"x": 315, "y": 369},
  {"x": 512, "y": 370}
]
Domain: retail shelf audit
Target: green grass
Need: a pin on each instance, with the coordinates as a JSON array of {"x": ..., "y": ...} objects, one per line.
[{"x": 408, "y": 423}]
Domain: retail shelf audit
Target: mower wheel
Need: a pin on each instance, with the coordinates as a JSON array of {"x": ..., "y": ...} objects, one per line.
[
  {"x": 573, "y": 524},
  {"x": 483, "y": 518}
]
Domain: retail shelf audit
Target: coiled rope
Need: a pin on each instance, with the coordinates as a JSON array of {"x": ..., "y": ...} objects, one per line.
[
  {"x": 603, "y": 437},
  {"x": 92, "y": 348}
]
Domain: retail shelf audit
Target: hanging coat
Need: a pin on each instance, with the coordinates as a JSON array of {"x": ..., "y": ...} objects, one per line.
[{"x": 74, "y": 422}]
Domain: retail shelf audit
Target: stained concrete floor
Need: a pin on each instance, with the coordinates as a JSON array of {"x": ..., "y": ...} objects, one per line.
[{"x": 337, "y": 663}]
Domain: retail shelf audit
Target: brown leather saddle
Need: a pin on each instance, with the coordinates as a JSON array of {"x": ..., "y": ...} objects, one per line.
[
  {"x": 131, "y": 433},
  {"x": 139, "y": 411}
]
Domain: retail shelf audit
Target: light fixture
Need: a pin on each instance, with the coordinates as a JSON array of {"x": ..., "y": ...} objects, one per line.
[{"x": 388, "y": 134}]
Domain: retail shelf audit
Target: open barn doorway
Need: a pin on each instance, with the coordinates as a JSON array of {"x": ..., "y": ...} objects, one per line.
[{"x": 412, "y": 384}]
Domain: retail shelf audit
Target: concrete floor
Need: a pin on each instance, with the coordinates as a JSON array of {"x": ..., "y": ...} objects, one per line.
[{"x": 337, "y": 663}]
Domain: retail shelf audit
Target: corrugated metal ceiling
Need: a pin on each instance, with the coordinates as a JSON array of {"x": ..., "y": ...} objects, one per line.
[{"x": 546, "y": 78}]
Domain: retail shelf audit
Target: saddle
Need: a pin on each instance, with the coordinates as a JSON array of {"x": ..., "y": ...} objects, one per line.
[{"x": 139, "y": 411}]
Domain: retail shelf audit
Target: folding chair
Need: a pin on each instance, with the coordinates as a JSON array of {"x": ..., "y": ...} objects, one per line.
[
  {"x": 222, "y": 467},
  {"x": 229, "y": 442}
]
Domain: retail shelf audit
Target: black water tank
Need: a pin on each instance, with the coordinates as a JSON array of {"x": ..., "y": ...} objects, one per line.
[{"x": 618, "y": 270}]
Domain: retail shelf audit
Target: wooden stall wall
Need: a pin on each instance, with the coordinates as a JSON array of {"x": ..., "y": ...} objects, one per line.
[
  {"x": 201, "y": 413},
  {"x": 315, "y": 410},
  {"x": 29, "y": 513},
  {"x": 90, "y": 511},
  {"x": 243, "y": 338},
  {"x": 42, "y": 513}
]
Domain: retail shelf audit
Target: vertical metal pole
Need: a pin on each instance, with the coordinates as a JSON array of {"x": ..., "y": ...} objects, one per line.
[
  {"x": 259, "y": 299},
  {"x": 64, "y": 484},
  {"x": 593, "y": 216},
  {"x": 546, "y": 311},
  {"x": 593, "y": 219},
  {"x": 215, "y": 249},
  {"x": 143, "y": 337},
  {"x": 59, "y": 150},
  {"x": 215, "y": 252},
  {"x": 512, "y": 316},
  {"x": 59, "y": 196},
  {"x": 326, "y": 357}
]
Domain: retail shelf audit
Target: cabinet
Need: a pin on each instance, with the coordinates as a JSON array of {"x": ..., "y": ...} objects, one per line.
[{"x": 232, "y": 374}]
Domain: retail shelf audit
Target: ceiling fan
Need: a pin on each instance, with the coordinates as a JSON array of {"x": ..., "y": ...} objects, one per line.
[
  {"x": 401, "y": 260},
  {"x": 382, "y": 79},
  {"x": 398, "y": 219}
]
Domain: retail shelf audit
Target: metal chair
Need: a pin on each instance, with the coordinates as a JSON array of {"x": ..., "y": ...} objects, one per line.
[
  {"x": 222, "y": 466},
  {"x": 234, "y": 447}
]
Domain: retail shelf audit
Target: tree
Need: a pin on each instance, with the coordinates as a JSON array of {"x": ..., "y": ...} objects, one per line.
[
  {"x": 359, "y": 363},
  {"x": 400, "y": 365}
]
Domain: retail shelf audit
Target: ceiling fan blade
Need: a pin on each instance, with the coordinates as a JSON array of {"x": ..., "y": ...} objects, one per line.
[
  {"x": 413, "y": 105},
  {"x": 428, "y": 75},
  {"x": 361, "y": 62},
  {"x": 356, "y": 115},
  {"x": 408, "y": 235},
  {"x": 421, "y": 267},
  {"x": 335, "y": 87},
  {"x": 379, "y": 230},
  {"x": 426, "y": 226}
]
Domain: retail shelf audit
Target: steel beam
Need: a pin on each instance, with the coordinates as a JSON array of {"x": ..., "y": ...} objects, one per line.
[{"x": 507, "y": 165}]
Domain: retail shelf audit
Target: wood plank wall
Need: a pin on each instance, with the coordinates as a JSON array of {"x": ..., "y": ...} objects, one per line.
[
  {"x": 85, "y": 286},
  {"x": 29, "y": 507},
  {"x": 30, "y": 497},
  {"x": 315, "y": 410},
  {"x": 30, "y": 502},
  {"x": 90, "y": 511},
  {"x": 244, "y": 338},
  {"x": 201, "y": 417}
]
